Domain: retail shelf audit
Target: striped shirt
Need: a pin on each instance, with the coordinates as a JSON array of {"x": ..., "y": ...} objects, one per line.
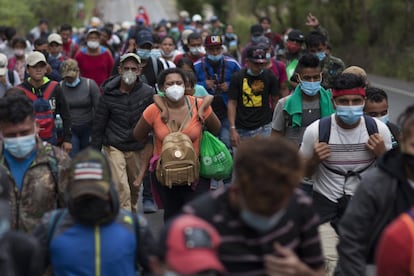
[{"x": 243, "y": 249}]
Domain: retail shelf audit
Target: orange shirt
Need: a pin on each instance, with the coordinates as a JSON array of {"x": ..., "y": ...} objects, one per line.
[{"x": 152, "y": 116}]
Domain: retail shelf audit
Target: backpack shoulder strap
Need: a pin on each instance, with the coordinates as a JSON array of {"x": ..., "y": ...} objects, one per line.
[
  {"x": 28, "y": 93},
  {"x": 325, "y": 129},
  {"x": 54, "y": 221},
  {"x": 10, "y": 75},
  {"x": 154, "y": 65},
  {"x": 371, "y": 125},
  {"x": 49, "y": 89}
]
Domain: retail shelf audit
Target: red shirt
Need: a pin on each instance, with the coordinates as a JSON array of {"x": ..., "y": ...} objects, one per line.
[
  {"x": 70, "y": 48},
  {"x": 97, "y": 67}
]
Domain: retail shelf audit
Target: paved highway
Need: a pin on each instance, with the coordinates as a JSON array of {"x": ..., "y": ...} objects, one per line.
[{"x": 125, "y": 10}]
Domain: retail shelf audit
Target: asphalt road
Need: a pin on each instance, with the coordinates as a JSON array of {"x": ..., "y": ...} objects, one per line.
[{"x": 125, "y": 10}]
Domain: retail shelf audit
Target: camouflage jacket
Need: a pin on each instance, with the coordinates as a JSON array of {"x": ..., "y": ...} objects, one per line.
[
  {"x": 331, "y": 67},
  {"x": 43, "y": 186}
]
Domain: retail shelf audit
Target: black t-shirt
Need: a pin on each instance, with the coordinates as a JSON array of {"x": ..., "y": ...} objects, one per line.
[{"x": 252, "y": 94}]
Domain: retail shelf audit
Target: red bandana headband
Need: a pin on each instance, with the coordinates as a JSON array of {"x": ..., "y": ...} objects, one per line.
[{"x": 354, "y": 91}]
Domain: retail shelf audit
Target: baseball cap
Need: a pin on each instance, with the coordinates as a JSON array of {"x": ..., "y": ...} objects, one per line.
[
  {"x": 197, "y": 18},
  {"x": 256, "y": 30},
  {"x": 89, "y": 174},
  {"x": 185, "y": 34},
  {"x": 213, "y": 19},
  {"x": 54, "y": 38},
  {"x": 69, "y": 68},
  {"x": 93, "y": 30},
  {"x": 3, "y": 64},
  {"x": 34, "y": 58},
  {"x": 296, "y": 35},
  {"x": 257, "y": 54},
  {"x": 130, "y": 56},
  {"x": 213, "y": 40},
  {"x": 189, "y": 245},
  {"x": 144, "y": 37}
]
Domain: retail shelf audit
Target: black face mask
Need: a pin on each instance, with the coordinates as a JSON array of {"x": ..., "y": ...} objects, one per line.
[
  {"x": 91, "y": 210},
  {"x": 408, "y": 160}
]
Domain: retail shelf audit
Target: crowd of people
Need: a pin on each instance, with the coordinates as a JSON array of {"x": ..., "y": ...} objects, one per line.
[{"x": 319, "y": 175}]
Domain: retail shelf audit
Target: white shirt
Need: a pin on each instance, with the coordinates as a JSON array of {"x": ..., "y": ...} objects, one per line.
[{"x": 348, "y": 153}]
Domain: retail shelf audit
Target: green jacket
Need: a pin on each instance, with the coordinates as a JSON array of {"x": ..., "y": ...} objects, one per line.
[{"x": 40, "y": 193}]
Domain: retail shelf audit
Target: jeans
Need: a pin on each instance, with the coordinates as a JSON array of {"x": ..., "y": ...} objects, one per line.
[
  {"x": 224, "y": 134},
  {"x": 263, "y": 130},
  {"x": 80, "y": 138}
]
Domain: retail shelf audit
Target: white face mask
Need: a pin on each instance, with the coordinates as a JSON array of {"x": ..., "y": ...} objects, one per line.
[
  {"x": 93, "y": 44},
  {"x": 175, "y": 92},
  {"x": 129, "y": 77},
  {"x": 18, "y": 52}
]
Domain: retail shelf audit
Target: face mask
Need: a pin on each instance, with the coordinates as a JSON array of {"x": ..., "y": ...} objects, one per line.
[
  {"x": 310, "y": 88},
  {"x": 162, "y": 34},
  {"x": 144, "y": 53},
  {"x": 129, "y": 77},
  {"x": 261, "y": 223},
  {"x": 384, "y": 118},
  {"x": 170, "y": 273},
  {"x": 20, "y": 147},
  {"x": 18, "y": 52},
  {"x": 250, "y": 72},
  {"x": 349, "y": 114},
  {"x": 74, "y": 83},
  {"x": 215, "y": 58},
  {"x": 175, "y": 92},
  {"x": 293, "y": 47},
  {"x": 321, "y": 55},
  {"x": 196, "y": 51},
  {"x": 164, "y": 54},
  {"x": 93, "y": 44},
  {"x": 91, "y": 210},
  {"x": 156, "y": 53},
  {"x": 255, "y": 39}
]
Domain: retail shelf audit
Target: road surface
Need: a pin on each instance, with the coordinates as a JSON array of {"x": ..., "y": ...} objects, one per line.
[{"x": 125, "y": 10}]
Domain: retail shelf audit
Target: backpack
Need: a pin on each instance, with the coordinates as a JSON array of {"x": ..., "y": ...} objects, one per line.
[
  {"x": 44, "y": 113},
  {"x": 325, "y": 133},
  {"x": 178, "y": 163},
  {"x": 154, "y": 61}
]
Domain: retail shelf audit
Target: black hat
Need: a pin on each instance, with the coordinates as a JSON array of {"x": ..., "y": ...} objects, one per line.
[
  {"x": 257, "y": 54},
  {"x": 256, "y": 30},
  {"x": 296, "y": 35}
]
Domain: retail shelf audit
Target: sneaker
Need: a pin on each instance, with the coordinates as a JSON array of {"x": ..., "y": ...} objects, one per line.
[{"x": 149, "y": 207}]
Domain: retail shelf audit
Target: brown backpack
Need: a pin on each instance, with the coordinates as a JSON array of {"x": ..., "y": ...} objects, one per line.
[{"x": 178, "y": 163}]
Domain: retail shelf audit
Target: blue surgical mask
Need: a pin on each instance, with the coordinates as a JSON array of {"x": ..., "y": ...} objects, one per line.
[
  {"x": 156, "y": 53},
  {"x": 144, "y": 53},
  {"x": 214, "y": 58},
  {"x": 310, "y": 88},
  {"x": 250, "y": 72},
  {"x": 349, "y": 114},
  {"x": 384, "y": 118},
  {"x": 261, "y": 223},
  {"x": 20, "y": 147},
  {"x": 74, "y": 83},
  {"x": 321, "y": 55}
]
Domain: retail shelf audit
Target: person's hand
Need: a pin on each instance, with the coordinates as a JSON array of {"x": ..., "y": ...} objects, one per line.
[
  {"x": 66, "y": 146},
  {"x": 284, "y": 262},
  {"x": 223, "y": 86},
  {"x": 376, "y": 144},
  {"x": 234, "y": 137},
  {"x": 3, "y": 79},
  {"x": 321, "y": 151},
  {"x": 210, "y": 84},
  {"x": 312, "y": 21},
  {"x": 200, "y": 114},
  {"x": 164, "y": 115}
]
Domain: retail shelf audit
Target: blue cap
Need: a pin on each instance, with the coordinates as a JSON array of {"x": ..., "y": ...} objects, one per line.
[{"x": 144, "y": 37}]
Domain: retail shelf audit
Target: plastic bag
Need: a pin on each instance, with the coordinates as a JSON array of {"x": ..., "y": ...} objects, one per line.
[{"x": 215, "y": 159}]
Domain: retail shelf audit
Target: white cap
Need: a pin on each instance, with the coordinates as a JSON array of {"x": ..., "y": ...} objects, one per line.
[
  {"x": 3, "y": 64},
  {"x": 55, "y": 38},
  {"x": 197, "y": 17},
  {"x": 34, "y": 58},
  {"x": 130, "y": 55}
]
